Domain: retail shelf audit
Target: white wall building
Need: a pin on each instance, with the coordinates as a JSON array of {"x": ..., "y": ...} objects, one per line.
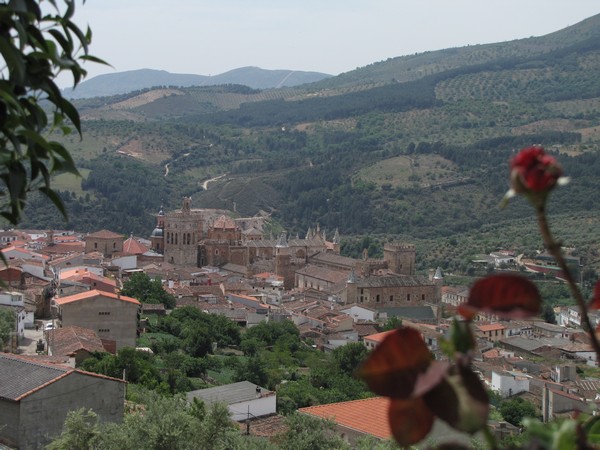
[{"x": 509, "y": 383}]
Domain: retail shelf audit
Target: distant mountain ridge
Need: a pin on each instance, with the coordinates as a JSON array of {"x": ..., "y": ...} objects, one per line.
[{"x": 133, "y": 80}]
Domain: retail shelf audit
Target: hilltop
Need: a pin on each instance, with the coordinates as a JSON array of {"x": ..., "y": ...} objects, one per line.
[
  {"x": 413, "y": 146},
  {"x": 135, "y": 80}
]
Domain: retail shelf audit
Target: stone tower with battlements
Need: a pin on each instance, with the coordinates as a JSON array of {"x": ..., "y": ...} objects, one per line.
[{"x": 400, "y": 257}]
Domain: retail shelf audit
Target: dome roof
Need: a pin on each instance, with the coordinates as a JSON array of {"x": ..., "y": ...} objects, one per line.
[{"x": 157, "y": 232}]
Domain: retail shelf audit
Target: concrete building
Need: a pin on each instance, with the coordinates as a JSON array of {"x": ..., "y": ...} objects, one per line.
[
  {"x": 244, "y": 400},
  {"x": 35, "y": 398},
  {"x": 112, "y": 316}
]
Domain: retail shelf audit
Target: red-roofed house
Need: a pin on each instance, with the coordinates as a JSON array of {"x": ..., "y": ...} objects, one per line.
[
  {"x": 74, "y": 342},
  {"x": 356, "y": 419},
  {"x": 104, "y": 241},
  {"x": 112, "y": 316},
  {"x": 22, "y": 253},
  {"x": 374, "y": 340},
  {"x": 93, "y": 280},
  {"x": 134, "y": 247},
  {"x": 492, "y": 332}
]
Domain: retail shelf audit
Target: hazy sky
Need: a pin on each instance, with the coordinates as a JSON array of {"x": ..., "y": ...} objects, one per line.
[{"x": 332, "y": 36}]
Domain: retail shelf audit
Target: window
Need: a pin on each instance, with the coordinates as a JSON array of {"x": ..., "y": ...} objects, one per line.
[
  {"x": 391, "y": 298},
  {"x": 422, "y": 296},
  {"x": 95, "y": 245},
  {"x": 408, "y": 297},
  {"x": 104, "y": 330},
  {"x": 377, "y": 298},
  {"x": 216, "y": 251},
  {"x": 104, "y": 313},
  {"x": 114, "y": 245}
]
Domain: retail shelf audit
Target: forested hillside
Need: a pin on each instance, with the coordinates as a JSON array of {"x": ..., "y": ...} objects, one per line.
[{"x": 415, "y": 147}]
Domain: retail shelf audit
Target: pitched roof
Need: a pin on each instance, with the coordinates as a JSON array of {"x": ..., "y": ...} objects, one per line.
[
  {"x": 224, "y": 222},
  {"x": 104, "y": 234},
  {"x": 491, "y": 327},
  {"x": 393, "y": 281},
  {"x": 134, "y": 247},
  {"x": 379, "y": 337},
  {"x": 95, "y": 293},
  {"x": 20, "y": 377},
  {"x": 68, "y": 340},
  {"x": 369, "y": 416},
  {"x": 230, "y": 393}
]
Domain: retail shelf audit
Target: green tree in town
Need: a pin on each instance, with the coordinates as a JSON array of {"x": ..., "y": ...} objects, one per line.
[
  {"x": 141, "y": 287},
  {"x": 308, "y": 433},
  {"x": 515, "y": 409},
  {"x": 7, "y": 325},
  {"x": 36, "y": 46}
]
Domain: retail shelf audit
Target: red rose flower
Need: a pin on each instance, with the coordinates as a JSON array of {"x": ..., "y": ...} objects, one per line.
[{"x": 532, "y": 170}]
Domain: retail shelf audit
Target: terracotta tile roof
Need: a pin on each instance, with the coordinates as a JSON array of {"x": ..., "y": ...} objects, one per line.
[
  {"x": 491, "y": 327},
  {"x": 365, "y": 329},
  {"x": 369, "y": 416},
  {"x": 379, "y": 337},
  {"x": 224, "y": 222},
  {"x": 27, "y": 254},
  {"x": 68, "y": 340},
  {"x": 133, "y": 247},
  {"x": 94, "y": 293},
  {"x": 322, "y": 273},
  {"x": 104, "y": 234},
  {"x": 63, "y": 248},
  {"x": 93, "y": 277}
]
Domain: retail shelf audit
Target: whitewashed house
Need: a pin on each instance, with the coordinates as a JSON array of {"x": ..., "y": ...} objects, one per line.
[{"x": 509, "y": 383}]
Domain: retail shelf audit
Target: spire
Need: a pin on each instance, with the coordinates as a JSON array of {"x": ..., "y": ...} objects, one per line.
[
  {"x": 336, "y": 237},
  {"x": 282, "y": 241},
  {"x": 309, "y": 233},
  {"x": 438, "y": 274},
  {"x": 352, "y": 276}
]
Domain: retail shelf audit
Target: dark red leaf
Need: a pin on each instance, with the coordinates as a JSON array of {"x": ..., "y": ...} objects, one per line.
[
  {"x": 460, "y": 400},
  {"x": 393, "y": 367},
  {"x": 410, "y": 420},
  {"x": 505, "y": 295}
]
